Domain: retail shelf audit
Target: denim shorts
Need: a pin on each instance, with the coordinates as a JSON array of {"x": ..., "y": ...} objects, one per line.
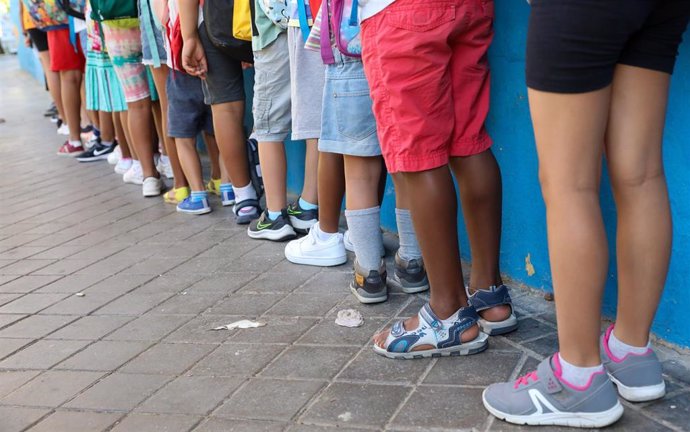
[
  {"x": 150, "y": 34},
  {"x": 348, "y": 125},
  {"x": 187, "y": 113},
  {"x": 271, "y": 108}
]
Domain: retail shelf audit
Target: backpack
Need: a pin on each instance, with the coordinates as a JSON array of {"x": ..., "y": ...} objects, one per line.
[
  {"x": 105, "y": 10},
  {"x": 345, "y": 24},
  {"x": 242, "y": 20},
  {"x": 46, "y": 14},
  {"x": 218, "y": 18},
  {"x": 255, "y": 167},
  {"x": 276, "y": 11},
  {"x": 73, "y": 8}
]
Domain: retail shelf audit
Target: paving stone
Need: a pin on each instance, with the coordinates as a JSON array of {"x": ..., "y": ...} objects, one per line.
[
  {"x": 72, "y": 283},
  {"x": 544, "y": 346},
  {"x": 119, "y": 392},
  {"x": 168, "y": 358},
  {"x": 481, "y": 370},
  {"x": 71, "y": 421},
  {"x": 677, "y": 370},
  {"x": 58, "y": 252},
  {"x": 327, "y": 332},
  {"x": 273, "y": 282},
  {"x": 310, "y": 362},
  {"x": 43, "y": 354},
  {"x": 344, "y": 404},
  {"x": 156, "y": 423},
  {"x": 412, "y": 309},
  {"x": 17, "y": 419},
  {"x": 257, "y": 399},
  {"x": 91, "y": 327},
  {"x": 306, "y": 305},
  {"x": 21, "y": 252},
  {"x": 24, "y": 267},
  {"x": 8, "y": 319},
  {"x": 75, "y": 305},
  {"x": 173, "y": 284},
  {"x": 199, "y": 330},
  {"x": 155, "y": 265},
  {"x": 283, "y": 330},
  {"x": 12, "y": 380},
  {"x": 31, "y": 303},
  {"x": 36, "y": 326},
  {"x": 51, "y": 388},
  {"x": 6, "y": 298},
  {"x": 675, "y": 410},
  {"x": 133, "y": 304},
  {"x": 104, "y": 356},
  {"x": 62, "y": 267},
  {"x": 530, "y": 328},
  {"x": 369, "y": 366},
  {"x": 439, "y": 407},
  {"x": 9, "y": 346},
  {"x": 191, "y": 395},
  {"x": 226, "y": 425},
  {"x": 249, "y": 305},
  {"x": 149, "y": 327},
  {"x": 27, "y": 284},
  {"x": 189, "y": 302},
  {"x": 235, "y": 359},
  {"x": 335, "y": 282},
  {"x": 394, "y": 304}
]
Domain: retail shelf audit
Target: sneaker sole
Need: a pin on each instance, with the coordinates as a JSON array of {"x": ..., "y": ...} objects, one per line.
[
  {"x": 93, "y": 159},
  {"x": 195, "y": 212},
  {"x": 226, "y": 203},
  {"x": 499, "y": 328},
  {"x": 316, "y": 261},
  {"x": 395, "y": 282},
  {"x": 576, "y": 419},
  {"x": 300, "y": 225},
  {"x": 369, "y": 300},
  {"x": 285, "y": 233},
  {"x": 640, "y": 394},
  {"x": 479, "y": 344}
]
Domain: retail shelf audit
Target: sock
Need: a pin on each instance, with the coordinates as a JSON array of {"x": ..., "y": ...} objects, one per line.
[
  {"x": 273, "y": 215},
  {"x": 197, "y": 196},
  {"x": 306, "y": 205},
  {"x": 409, "y": 247},
  {"x": 108, "y": 143},
  {"x": 576, "y": 375},
  {"x": 621, "y": 349},
  {"x": 225, "y": 187},
  {"x": 164, "y": 159},
  {"x": 242, "y": 194},
  {"x": 320, "y": 234},
  {"x": 365, "y": 234},
  {"x": 75, "y": 143},
  {"x": 136, "y": 165}
]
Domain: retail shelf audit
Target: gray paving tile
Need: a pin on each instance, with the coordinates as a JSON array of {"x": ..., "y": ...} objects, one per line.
[
  {"x": 27, "y": 284},
  {"x": 17, "y": 419},
  {"x": 75, "y": 305},
  {"x": 227, "y": 425},
  {"x": 36, "y": 326},
  {"x": 119, "y": 392},
  {"x": 313, "y": 428},
  {"x": 58, "y": 252},
  {"x": 544, "y": 346},
  {"x": 43, "y": 354},
  {"x": 172, "y": 359},
  {"x": 283, "y": 330},
  {"x": 199, "y": 330},
  {"x": 306, "y": 304},
  {"x": 149, "y": 327},
  {"x": 156, "y": 423},
  {"x": 675, "y": 410},
  {"x": 345, "y": 404},
  {"x": 6, "y": 298},
  {"x": 317, "y": 362},
  {"x": 24, "y": 267},
  {"x": 482, "y": 370},
  {"x": 51, "y": 388},
  {"x": 22, "y": 252},
  {"x": 327, "y": 332},
  {"x": 328, "y": 282},
  {"x": 273, "y": 282},
  {"x": 369, "y": 366},
  {"x": 9, "y": 346},
  {"x": 8, "y": 319},
  {"x": 133, "y": 304},
  {"x": 189, "y": 302},
  {"x": 391, "y": 307},
  {"x": 530, "y": 329},
  {"x": 71, "y": 284},
  {"x": 104, "y": 356},
  {"x": 439, "y": 407},
  {"x": 71, "y": 421},
  {"x": 91, "y": 327},
  {"x": 224, "y": 283},
  {"x": 12, "y": 380},
  {"x": 235, "y": 359},
  {"x": 172, "y": 284},
  {"x": 190, "y": 395},
  {"x": 31, "y": 303},
  {"x": 256, "y": 400},
  {"x": 119, "y": 284},
  {"x": 249, "y": 305},
  {"x": 62, "y": 267}
]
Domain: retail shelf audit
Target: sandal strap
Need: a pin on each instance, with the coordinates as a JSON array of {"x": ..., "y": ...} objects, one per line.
[
  {"x": 484, "y": 299},
  {"x": 247, "y": 203}
]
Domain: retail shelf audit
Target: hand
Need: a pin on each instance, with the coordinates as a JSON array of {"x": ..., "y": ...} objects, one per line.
[
  {"x": 194, "y": 58},
  {"x": 246, "y": 65},
  {"x": 27, "y": 41}
]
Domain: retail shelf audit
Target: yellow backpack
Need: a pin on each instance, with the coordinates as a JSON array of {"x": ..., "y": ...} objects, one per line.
[{"x": 242, "y": 20}]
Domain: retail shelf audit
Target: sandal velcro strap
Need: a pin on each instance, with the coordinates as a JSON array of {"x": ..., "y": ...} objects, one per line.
[
  {"x": 247, "y": 203},
  {"x": 484, "y": 299}
]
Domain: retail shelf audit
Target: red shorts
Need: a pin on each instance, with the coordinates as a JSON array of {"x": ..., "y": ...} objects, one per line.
[
  {"x": 426, "y": 62},
  {"x": 63, "y": 55}
]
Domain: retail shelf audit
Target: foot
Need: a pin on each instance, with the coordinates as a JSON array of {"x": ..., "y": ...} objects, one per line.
[
  {"x": 115, "y": 156},
  {"x": 97, "y": 152},
  {"x": 347, "y": 241},
  {"x": 312, "y": 249},
  {"x": 369, "y": 286},
  {"x": 265, "y": 228},
  {"x": 67, "y": 149},
  {"x": 495, "y": 309},
  {"x": 165, "y": 168},
  {"x": 227, "y": 197},
  {"x": 426, "y": 335},
  {"x": 176, "y": 195},
  {"x": 638, "y": 378},
  {"x": 409, "y": 276},
  {"x": 134, "y": 174},
  {"x": 63, "y": 129},
  {"x": 152, "y": 186},
  {"x": 246, "y": 211},
  {"x": 544, "y": 398},
  {"x": 300, "y": 218},
  {"x": 213, "y": 186},
  {"x": 123, "y": 165},
  {"x": 197, "y": 207}
]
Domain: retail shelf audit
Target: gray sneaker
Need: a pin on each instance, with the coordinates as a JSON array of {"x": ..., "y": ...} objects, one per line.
[
  {"x": 370, "y": 286},
  {"x": 637, "y": 377},
  {"x": 543, "y": 398},
  {"x": 409, "y": 276}
]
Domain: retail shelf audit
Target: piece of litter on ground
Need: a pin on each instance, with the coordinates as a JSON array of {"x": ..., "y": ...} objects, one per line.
[
  {"x": 673, "y": 407},
  {"x": 346, "y": 416},
  {"x": 242, "y": 324},
  {"x": 349, "y": 318},
  {"x": 184, "y": 292},
  {"x": 80, "y": 294}
]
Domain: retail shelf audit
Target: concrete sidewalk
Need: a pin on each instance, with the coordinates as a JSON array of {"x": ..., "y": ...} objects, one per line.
[{"x": 135, "y": 353}]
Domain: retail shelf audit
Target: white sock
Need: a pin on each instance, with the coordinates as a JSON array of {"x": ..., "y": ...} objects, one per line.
[
  {"x": 136, "y": 164},
  {"x": 621, "y": 349},
  {"x": 75, "y": 143},
  {"x": 245, "y": 193},
  {"x": 107, "y": 143},
  {"x": 576, "y": 375},
  {"x": 320, "y": 235},
  {"x": 165, "y": 159}
]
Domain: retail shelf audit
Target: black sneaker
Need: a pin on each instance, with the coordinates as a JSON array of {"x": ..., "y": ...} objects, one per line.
[
  {"x": 409, "y": 276},
  {"x": 302, "y": 220},
  {"x": 276, "y": 230},
  {"x": 370, "y": 287},
  {"x": 97, "y": 152}
]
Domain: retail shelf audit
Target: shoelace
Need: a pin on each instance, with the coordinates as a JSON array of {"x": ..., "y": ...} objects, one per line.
[{"x": 524, "y": 380}]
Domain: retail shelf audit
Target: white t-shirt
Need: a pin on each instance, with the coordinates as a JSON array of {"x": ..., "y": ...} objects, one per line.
[{"x": 369, "y": 8}]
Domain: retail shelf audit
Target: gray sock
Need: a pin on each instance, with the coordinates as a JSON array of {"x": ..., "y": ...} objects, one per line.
[
  {"x": 365, "y": 234},
  {"x": 409, "y": 248}
]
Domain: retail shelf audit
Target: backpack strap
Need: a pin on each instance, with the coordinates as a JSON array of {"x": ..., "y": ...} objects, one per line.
[
  {"x": 325, "y": 35},
  {"x": 353, "y": 14},
  {"x": 303, "y": 20}
]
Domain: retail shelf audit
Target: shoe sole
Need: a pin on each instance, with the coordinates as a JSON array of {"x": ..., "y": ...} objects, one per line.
[
  {"x": 72, "y": 155},
  {"x": 479, "y": 344},
  {"x": 93, "y": 159},
  {"x": 395, "y": 282},
  {"x": 369, "y": 300},
  {"x": 195, "y": 212},
  {"x": 300, "y": 225},
  {"x": 284, "y": 233},
  {"x": 499, "y": 328},
  {"x": 227, "y": 203},
  {"x": 576, "y": 419},
  {"x": 640, "y": 394},
  {"x": 316, "y": 261}
]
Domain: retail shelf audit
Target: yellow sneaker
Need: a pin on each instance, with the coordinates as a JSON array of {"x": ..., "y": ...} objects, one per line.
[
  {"x": 213, "y": 186},
  {"x": 176, "y": 196}
]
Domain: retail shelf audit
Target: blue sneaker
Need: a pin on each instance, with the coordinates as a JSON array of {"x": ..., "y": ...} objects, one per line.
[
  {"x": 194, "y": 207},
  {"x": 227, "y": 197}
]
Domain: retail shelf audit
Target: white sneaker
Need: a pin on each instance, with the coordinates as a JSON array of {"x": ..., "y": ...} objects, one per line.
[
  {"x": 310, "y": 250},
  {"x": 164, "y": 167},
  {"x": 123, "y": 165},
  {"x": 134, "y": 174},
  {"x": 63, "y": 130},
  {"x": 115, "y": 156},
  {"x": 347, "y": 241},
  {"x": 152, "y": 186}
]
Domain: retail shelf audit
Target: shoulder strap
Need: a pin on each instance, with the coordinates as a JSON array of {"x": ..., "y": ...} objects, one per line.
[
  {"x": 353, "y": 13},
  {"x": 303, "y": 20},
  {"x": 147, "y": 14},
  {"x": 325, "y": 35}
]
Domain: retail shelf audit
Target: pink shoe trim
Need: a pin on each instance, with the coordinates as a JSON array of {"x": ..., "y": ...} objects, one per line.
[
  {"x": 613, "y": 358},
  {"x": 558, "y": 371}
]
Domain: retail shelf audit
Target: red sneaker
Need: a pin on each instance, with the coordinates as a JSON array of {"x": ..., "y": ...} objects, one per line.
[{"x": 68, "y": 149}]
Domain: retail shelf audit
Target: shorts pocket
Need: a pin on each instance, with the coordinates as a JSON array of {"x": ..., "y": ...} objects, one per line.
[
  {"x": 421, "y": 18},
  {"x": 262, "y": 109},
  {"x": 353, "y": 108}
]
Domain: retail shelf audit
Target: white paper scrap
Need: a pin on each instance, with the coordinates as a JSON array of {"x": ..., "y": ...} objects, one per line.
[
  {"x": 242, "y": 324},
  {"x": 349, "y": 318}
]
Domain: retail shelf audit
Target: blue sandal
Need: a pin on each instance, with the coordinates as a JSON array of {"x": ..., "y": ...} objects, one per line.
[
  {"x": 484, "y": 299},
  {"x": 431, "y": 331}
]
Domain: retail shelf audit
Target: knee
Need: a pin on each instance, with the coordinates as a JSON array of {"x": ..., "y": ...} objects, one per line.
[
  {"x": 635, "y": 179},
  {"x": 140, "y": 105},
  {"x": 561, "y": 187}
]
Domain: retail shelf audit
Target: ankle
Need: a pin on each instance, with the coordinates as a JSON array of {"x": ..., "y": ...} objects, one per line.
[
  {"x": 579, "y": 377},
  {"x": 444, "y": 309}
]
